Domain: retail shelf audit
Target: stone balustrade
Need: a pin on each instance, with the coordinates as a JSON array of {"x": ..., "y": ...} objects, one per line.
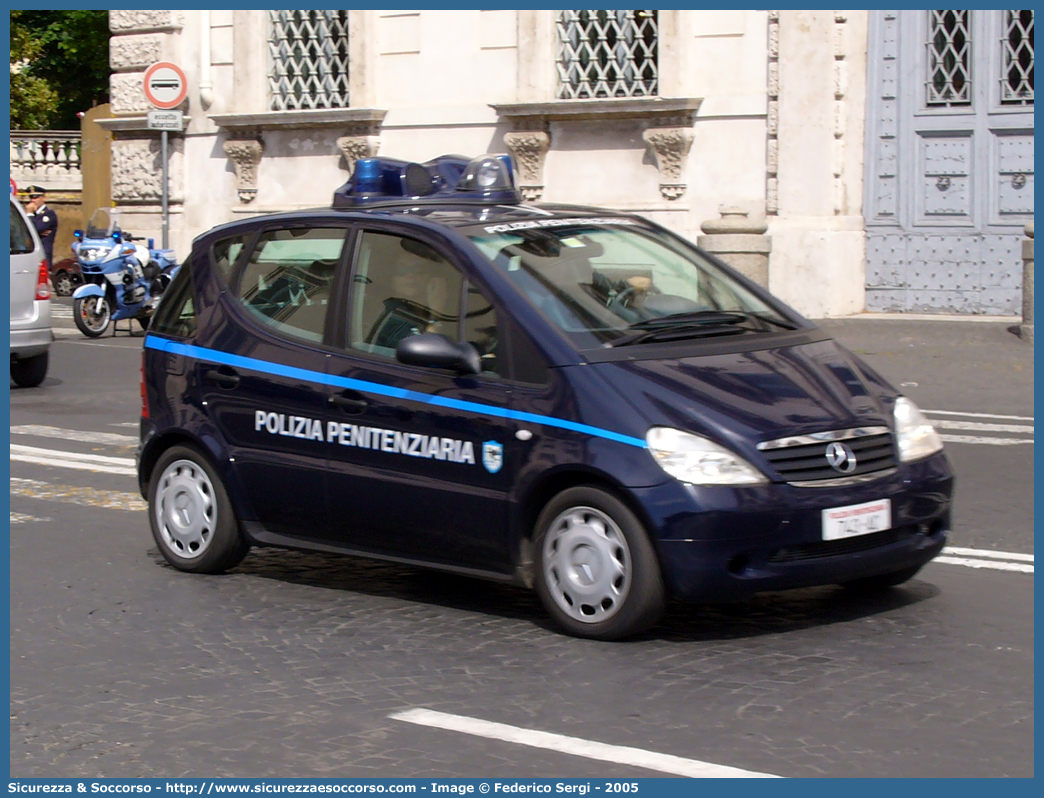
[{"x": 48, "y": 158}]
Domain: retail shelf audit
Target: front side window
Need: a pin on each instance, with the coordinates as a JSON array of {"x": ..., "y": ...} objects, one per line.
[
  {"x": 401, "y": 287},
  {"x": 287, "y": 282},
  {"x": 949, "y": 58},
  {"x": 624, "y": 284},
  {"x": 607, "y": 54},
  {"x": 1017, "y": 45},
  {"x": 308, "y": 53}
]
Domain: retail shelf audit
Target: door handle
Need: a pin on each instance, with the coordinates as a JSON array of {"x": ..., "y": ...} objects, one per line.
[
  {"x": 347, "y": 403},
  {"x": 224, "y": 379}
]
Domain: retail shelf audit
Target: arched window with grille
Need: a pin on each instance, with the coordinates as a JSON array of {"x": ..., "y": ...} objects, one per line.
[
  {"x": 308, "y": 60},
  {"x": 604, "y": 54}
]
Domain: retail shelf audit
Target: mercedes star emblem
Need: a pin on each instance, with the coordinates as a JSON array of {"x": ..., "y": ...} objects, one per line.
[{"x": 841, "y": 458}]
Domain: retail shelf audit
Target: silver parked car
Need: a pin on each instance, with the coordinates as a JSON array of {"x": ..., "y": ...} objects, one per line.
[{"x": 31, "y": 335}]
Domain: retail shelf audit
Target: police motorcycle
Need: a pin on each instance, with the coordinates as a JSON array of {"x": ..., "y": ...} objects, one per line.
[{"x": 121, "y": 279}]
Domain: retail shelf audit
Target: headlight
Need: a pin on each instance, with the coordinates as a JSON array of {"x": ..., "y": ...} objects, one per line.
[
  {"x": 916, "y": 437},
  {"x": 698, "y": 461}
]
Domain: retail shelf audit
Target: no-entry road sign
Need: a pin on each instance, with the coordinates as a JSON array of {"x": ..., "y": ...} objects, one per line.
[{"x": 165, "y": 85}]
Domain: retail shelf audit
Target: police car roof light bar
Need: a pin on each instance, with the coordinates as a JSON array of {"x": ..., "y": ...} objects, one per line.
[{"x": 388, "y": 181}]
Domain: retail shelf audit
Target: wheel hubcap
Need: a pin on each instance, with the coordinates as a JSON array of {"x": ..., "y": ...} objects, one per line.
[
  {"x": 95, "y": 311},
  {"x": 186, "y": 511},
  {"x": 587, "y": 565}
]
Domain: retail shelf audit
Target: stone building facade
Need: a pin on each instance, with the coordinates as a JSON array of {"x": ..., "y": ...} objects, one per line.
[{"x": 675, "y": 115}]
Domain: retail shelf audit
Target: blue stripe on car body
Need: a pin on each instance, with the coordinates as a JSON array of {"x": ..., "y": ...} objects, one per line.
[{"x": 278, "y": 369}]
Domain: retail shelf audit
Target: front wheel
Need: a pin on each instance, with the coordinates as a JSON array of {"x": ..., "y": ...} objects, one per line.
[
  {"x": 92, "y": 315},
  {"x": 597, "y": 573},
  {"x": 191, "y": 516}
]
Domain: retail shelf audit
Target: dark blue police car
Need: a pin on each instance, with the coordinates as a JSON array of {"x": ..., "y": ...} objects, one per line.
[{"x": 574, "y": 399}]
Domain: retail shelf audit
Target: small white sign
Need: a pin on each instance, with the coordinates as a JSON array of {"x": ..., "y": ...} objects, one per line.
[
  {"x": 166, "y": 120},
  {"x": 857, "y": 519}
]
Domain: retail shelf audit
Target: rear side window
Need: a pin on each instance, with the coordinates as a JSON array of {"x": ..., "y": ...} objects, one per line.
[
  {"x": 21, "y": 238},
  {"x": 287, "y": 282},
  {"x": 176, "y": 314},
  {"x": 224, "y": 253}
]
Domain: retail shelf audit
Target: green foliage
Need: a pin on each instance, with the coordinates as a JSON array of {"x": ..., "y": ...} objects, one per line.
[{"x": 59, "y": 67}]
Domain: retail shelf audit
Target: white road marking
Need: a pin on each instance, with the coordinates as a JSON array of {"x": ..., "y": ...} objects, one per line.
[
  {"x": 22, "y": 518},
  {"x": 978, "y": 426},
  {"x": 980, "y": 439},
  {"x": 976, "y": 415},
  {"x": 624, "y": 755},
  {"x": 997, "y": 566},
  {"x": 84, "y": 462},
  {"x": 84, "y": 436},
  {"x": 77, "y": 494},
  {"x": 988, "y": 554}
]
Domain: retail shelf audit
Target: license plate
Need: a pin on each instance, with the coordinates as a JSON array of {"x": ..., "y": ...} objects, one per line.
[{"x": 857, "y": 519}]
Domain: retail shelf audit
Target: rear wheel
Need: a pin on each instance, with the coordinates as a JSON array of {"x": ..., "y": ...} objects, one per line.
[
  {"x": 92, "y": 315},
  {"x": 191, "y": 516},
  {"x": 883, "y": 581},
  {"x": 29, "y": 371},
  {"x": 597, "y": 573}
]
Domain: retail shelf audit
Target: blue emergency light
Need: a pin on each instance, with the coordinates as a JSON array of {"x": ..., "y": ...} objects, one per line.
[{"x": 453, "y": 178}]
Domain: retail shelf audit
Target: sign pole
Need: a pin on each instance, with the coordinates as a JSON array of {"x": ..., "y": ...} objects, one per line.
[
  {"x": 166, "y": 211},
  {"x": 165, "y": 87}
]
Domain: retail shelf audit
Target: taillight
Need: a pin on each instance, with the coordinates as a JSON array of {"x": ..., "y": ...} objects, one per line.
[
  {"x": 144, "y": 395},
  {"x": 43, "y": 282}
]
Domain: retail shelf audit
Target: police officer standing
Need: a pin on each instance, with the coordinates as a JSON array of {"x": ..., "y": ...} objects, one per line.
[{"x": 44, "y": 219}]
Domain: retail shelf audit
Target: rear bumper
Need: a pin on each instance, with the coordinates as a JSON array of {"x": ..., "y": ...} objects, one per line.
[
  {"x": 725, "y": 544},
  {"x": 30, "y": 342}
]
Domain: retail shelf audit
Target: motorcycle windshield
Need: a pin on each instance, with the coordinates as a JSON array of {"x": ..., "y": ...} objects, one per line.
[{"x": 102, "y": 224}]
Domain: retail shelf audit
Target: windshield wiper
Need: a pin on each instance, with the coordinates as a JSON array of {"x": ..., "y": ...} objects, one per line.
[
  {"x": 695, "y": 324},
  {"x": 678, "y": 332},
  {"x": 709, "y": 317}
]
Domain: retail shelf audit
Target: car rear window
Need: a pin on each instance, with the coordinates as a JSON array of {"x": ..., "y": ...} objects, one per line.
[{"x": 21, "y": 238}]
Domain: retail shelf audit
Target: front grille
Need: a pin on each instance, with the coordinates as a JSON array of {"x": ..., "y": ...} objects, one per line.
[
  {"x": 838, "y": 548},
  {"x": 804, "y": 458}
]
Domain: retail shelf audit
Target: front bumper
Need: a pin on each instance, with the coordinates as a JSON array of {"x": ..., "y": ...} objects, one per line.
[{"x": 725, "y": 544}]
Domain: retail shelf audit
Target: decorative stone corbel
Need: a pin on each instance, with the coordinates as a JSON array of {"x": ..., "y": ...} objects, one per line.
[
  {"x": 355, "y": 146},
  {"x": 671, "y": 147},
  {"x": 529, "y": 149},
  {"x": 245, "y": 154}
]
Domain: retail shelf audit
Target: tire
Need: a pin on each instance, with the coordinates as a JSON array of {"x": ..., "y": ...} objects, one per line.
[
  {"x": 191, "y": 516},
  {"x": 869, "y": 584},
  {"x": 29, "y": 372},
  {"x": 92, "y": 315},
  {"x": 597, "y": 573},
  {"x": 63, "y": 283}
]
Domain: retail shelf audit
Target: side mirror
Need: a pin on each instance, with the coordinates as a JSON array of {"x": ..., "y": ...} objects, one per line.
[
  {"x": 77, "y": 233},
  {"x": 435, "y": 350}
]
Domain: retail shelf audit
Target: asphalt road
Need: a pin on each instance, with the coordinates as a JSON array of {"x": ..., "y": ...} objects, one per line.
[{"x": 299, "y": 664}]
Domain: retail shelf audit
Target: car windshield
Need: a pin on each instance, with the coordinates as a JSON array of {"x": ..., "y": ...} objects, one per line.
[
  {"x": 616, "y": 282},
  {"x": 102, "y": 224}
]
